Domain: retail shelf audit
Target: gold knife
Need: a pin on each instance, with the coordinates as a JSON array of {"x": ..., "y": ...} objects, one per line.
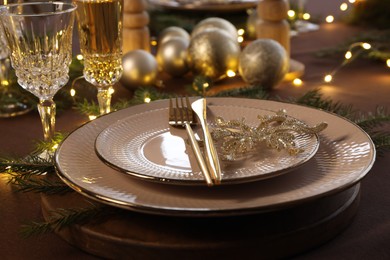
[{"x": 200, "y": 107}]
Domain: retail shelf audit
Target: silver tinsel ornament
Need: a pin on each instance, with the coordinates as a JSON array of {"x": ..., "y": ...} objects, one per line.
[
  {"x": 212, "y": 53},
  {"x": 264, "y": 63},
  {"x": 172, "y": 56},
  {"x": 139, "y": 69}
]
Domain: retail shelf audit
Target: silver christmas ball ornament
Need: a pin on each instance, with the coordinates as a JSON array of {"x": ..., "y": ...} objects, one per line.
[
  {"x": 215, "y": 23},
  {"x": 172, "y": 32},
  {"x": 212, "y": 53},
  {"x": 264, "y": 63},
  {"x": 140, "y": 68},
  {"x": 172, "y": 56}
]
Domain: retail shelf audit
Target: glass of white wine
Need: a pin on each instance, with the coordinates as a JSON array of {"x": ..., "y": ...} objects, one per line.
[
  {"x": 100, "y": 34},
  {"x": 39, "y": 37}
]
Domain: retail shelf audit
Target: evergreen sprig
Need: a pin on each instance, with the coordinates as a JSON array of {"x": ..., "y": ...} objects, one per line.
[
  {"x": 314, "y": 98},
  {"x": 38, "y": 184},
  {"x": 371, "y": 121},
  {"x": 62, "y": 218}
]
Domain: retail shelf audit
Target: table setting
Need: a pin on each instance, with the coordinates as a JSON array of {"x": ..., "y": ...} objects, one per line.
[{"x": 191, "y": 167}]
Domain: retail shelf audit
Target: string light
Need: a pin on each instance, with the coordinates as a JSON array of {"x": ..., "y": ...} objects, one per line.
[
  {"x": 240, "y": 39},
  {"x": 297, "y": 82},
  {"x": 153, "y": 42},
  {"x": 352, "y": 1},
  {"x": 306, "y": 16},
  {"x": 348, "y": 55},
  {"x": 388, "y": 63},
  {"x": 92, "y": 117},
  {"x": 241, "y": 32},
  {"x": 328, "y": 78},
  {"x": 343, "y": 6},
  {"x": 72, "y": 92},
  {"x": 230, "y": 73},
  {"x": 79, "y": 57},
  {"x": 291, "y": 13},
  {"x": 329, "y": 19},
  {"x": 147, "y": 100}
]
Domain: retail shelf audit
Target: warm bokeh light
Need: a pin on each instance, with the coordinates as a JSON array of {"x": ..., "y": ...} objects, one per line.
[
  {"x": 153, "y": 42},
  {"x": 4, "y": 82},
  {"x": 111, "y": 90},
  {"x": 230, "y": 73},
  {"x": 343, "y": 6},
  {"x": 352, "y": 1},
  {"x": 291, "y": 13},
  {"x": 79, "y": 57},
  {"x": 366, "y": 46},
  {"x": 329, "y": 19},
  {"x": 241, "y": 32},
  {"x": 297, "y": 82},
  {"x": 72, "y": 92},
  {"x": 147, "y": 100},
  {"x": 240, "y": 39},
  {"x": 55, "y": 146},
  {"x": 388, "y": 63},
  {"x": 206, "y": 85},
  {"x": 328, "y": 78},
  {"x": 92, "y": 117},
  {"x": 348, "y": 55},
  {"x": 306, "y": 16}
]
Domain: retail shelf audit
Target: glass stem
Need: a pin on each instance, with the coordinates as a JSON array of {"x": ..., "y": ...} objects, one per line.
[
  {"x": 47, "y": 111},
  {"x": 104, "y": 99}
]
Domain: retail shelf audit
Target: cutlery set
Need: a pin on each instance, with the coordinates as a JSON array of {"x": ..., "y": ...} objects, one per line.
[{"x": 182, "y": 115}]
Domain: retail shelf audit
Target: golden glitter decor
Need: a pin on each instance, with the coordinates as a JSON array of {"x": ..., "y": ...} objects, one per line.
[{"x": 277, "y": 131}]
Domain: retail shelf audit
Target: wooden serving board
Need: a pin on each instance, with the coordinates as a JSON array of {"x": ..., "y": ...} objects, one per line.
[{"x": 274, "y": 234}]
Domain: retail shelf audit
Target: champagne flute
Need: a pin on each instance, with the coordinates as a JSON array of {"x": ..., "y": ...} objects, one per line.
[
  {"x": 100, "y": 35},
  {"x": 39, "y": 36}
]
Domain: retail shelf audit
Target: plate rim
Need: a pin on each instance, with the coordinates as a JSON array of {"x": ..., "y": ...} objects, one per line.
[
  {"x": 218, "y": 212},
  {"x": 200, "y": 182}
]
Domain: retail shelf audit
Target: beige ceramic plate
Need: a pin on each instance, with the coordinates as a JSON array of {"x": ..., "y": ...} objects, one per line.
[
  {"x": 143, "y": 145},
  {"x": 345, "y": 156}
]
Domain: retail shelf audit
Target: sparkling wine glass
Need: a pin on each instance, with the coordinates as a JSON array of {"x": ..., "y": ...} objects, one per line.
[
  {"x": 39, "y": 36},
  {"x": 100, "y": 35}
]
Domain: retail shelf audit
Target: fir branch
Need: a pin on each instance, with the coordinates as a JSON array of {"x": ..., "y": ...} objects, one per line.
[
  {"x": 382, "y": 142},
  {"x": 63, "y": 218},
  {"x": 373, "y": 120},
  {"x": 250, "y": 92},
  {"x": 27, "y": 166},
  {"x": 88, "y": 108},
  {"x": 315, "y": 99},
  {"x": 44, "y": 146},
  {"x": 39, "y": 185}
]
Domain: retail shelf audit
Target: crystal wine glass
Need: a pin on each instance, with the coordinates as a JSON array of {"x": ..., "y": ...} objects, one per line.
[
  {"x": 100, "y": 35},
  {"x": 39, "y": 36},
  {"x": 12, "y": 103}
]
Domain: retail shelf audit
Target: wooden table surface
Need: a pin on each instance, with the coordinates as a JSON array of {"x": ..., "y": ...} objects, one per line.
[{"x": 364, "y": 84}]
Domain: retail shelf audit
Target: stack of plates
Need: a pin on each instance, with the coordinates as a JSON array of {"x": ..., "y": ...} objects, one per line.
[{"x": 133, "y": 159}]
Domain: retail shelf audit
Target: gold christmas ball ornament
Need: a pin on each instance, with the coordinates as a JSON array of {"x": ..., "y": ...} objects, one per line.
[
  {"x": 173, "y": 32},
  {"x": 172, "y": 56},
  {"x": 140, "y": 68},
  {"x": 215, "y": 23},
  {"x": 212, "y": 53},
  {"x": 264, "y": 63}
]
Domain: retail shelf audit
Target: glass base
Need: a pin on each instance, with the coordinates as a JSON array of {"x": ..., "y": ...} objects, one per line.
[
  {"x": 302, "y": 26},
  {"x": 12, "y": 106}
]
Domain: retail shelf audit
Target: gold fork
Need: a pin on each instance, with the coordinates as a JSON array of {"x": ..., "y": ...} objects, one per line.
[{"x": 181, "y": 115}]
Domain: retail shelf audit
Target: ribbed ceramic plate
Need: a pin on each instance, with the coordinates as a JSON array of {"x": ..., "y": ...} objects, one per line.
[
  {"x": 143, "y": 145},
  {"x": 345, "y": 156}
]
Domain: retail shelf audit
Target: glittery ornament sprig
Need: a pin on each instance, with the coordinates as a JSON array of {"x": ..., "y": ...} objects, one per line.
[{"x": 277, "y": 131}]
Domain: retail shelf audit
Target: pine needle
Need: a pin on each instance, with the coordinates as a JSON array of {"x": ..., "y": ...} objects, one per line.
[{"x": 63, "y": 218}]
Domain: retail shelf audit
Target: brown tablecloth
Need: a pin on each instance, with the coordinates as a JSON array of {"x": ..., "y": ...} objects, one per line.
[{"x": 365, "y": 84}]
